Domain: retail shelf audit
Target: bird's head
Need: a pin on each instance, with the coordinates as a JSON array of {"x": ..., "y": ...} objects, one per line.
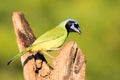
[{"x": 72, "y": 26}]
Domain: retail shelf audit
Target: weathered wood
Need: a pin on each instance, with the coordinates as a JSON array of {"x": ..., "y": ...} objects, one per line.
[
  {"x": 31, "y": 61},
  {"x": 68, "y": 65}
]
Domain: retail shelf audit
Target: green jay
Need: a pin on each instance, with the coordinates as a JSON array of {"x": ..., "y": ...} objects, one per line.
[{"x": 52, "y": 39}]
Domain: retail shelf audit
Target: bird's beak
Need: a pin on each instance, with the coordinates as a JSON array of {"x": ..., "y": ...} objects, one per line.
[{"x": 78, "y": 31}]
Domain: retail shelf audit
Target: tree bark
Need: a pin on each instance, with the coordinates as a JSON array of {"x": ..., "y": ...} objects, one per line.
[{"x": 68, "y": 65}]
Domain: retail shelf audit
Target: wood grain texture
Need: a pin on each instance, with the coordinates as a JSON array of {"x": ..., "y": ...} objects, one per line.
[
  {"x": 31, "y": 61},
  {"x": 68, "y": 65}
]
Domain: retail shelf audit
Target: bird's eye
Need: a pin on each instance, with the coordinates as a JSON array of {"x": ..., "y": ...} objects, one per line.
[{"x": 76, "y": 25}]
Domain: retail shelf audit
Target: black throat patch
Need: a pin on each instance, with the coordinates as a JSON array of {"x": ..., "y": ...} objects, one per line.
[{"x": 68, "y": 25}]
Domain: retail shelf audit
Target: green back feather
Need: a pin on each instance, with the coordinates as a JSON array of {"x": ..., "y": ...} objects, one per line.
[{"x": 53, "y": 34}]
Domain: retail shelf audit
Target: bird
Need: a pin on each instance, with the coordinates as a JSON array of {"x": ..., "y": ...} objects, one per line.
[{"x": 52, "y": 39}]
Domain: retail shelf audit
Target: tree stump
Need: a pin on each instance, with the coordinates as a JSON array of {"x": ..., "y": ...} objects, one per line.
[{"x": 68, "y": 65}]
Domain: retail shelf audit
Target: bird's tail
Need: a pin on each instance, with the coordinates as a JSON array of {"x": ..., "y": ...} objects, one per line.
[{"x": 18, "y": 55}]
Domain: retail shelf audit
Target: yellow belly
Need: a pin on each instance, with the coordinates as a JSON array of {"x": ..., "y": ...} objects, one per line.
[{"x": 49, "y": 44}]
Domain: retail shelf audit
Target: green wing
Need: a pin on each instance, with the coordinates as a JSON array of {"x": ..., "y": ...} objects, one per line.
[{"x": 51, "y": 35}]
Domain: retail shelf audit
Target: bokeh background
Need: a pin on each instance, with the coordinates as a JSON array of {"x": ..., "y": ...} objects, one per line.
[{"x": 100, "y": 39}]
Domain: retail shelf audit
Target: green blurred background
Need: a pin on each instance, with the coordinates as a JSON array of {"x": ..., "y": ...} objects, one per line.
[{"x": 100, "y": 24}]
